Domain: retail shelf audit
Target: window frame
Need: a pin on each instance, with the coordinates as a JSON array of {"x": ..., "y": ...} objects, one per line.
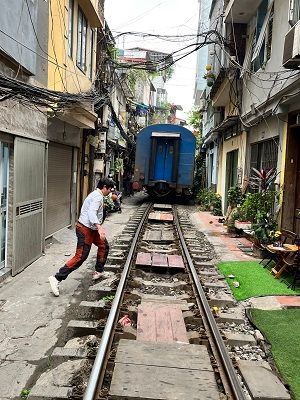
[
  {"x": 294, "y": 12},
  {"x": 82, "y": 29},
  {"x": 70, "y": 28}
]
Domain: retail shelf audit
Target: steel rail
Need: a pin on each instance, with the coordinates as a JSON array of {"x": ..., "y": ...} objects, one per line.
[
  {"x": 101, "y": 356},
  {"x": 235, "y": 386}
]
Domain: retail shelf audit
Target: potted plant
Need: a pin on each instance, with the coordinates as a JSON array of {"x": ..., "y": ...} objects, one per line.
[{"x": 209, "y": 76}]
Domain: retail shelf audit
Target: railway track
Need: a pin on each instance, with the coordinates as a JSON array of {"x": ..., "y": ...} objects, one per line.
[{"x": 171, "y": 346}]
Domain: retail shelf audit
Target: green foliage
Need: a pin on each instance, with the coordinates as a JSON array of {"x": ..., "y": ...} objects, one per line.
[
  {"x": 135, "y": 75},
  {"x": 262, "y": 180},
  {"x": 209, "y": 201},
  {"x": 195, "y": 119},
  {"x": 108, "y": 299},
  {"x": 282, "y": 330},
  {"x": 258, "y": 203},
  {"x": 235, "y": 196},
  {"x": 24, "y": 393},
  {"x": 258, "y": 208},
  {"x": 264, "y": 228}
]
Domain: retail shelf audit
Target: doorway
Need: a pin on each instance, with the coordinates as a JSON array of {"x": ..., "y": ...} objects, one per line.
[
  {"x": 164, "y": 160},
  {"x": 4, "y": 168},
  {"x": 291, "y": 192},
  {"x": 231, "y": 172}
]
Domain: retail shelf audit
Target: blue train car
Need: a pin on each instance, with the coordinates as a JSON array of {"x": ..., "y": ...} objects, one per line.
[{"x": 164, "y": 161}]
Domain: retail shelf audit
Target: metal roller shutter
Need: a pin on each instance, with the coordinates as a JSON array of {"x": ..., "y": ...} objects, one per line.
[{"x": 59, "y": 180}]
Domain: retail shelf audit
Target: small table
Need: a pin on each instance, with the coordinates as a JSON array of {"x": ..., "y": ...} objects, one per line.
[{"x": 281, "y": 252}]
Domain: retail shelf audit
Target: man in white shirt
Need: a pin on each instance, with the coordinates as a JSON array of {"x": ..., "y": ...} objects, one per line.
[{"x": 88, "y": 231}]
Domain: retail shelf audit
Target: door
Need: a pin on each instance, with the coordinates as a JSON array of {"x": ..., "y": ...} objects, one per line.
[
  {"x": 29, "y": 187},
  {"x": 59, "y": 181},
  {"x": 163, "y": 170},
  {"x": 231, "y": 172},
  {"x": 4, "y": 163},
  {"x": 297, "y": 192}
]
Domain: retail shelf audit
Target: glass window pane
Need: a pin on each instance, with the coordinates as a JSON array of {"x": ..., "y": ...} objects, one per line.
[{"x": 70, "y": 27}]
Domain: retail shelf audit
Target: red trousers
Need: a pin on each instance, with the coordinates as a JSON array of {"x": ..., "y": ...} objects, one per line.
[{"x": 85, "y": 238}]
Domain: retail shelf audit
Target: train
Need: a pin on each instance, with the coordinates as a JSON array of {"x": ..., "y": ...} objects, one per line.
[{"x": 164, "y": 161}]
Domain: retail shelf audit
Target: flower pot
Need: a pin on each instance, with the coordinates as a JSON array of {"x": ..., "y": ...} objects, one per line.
[{"x": 244, "y": 225}]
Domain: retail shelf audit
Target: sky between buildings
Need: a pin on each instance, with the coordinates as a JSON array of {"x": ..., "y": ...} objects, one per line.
[{"x": 171, "y": 17}]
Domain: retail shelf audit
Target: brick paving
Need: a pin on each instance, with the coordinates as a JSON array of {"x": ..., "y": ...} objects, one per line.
[{"x": 230, "y": 247}]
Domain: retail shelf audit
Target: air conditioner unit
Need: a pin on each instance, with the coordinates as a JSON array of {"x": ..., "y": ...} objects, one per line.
[{"x": 291, "y": 51}]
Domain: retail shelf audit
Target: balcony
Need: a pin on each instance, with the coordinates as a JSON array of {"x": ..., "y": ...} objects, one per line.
[
  {"x": 81, "y": 115},
  {"x": 93, "y": 12},
  {"x": 240, "y": 11}
]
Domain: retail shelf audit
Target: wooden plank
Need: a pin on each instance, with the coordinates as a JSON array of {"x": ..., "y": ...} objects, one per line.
[
  {"x": 166, "y": 217},
  {"x": 144, "y": 259},
  {"x": 191, "y": 356},
  {"x": 154, "y": 216},
  {"x": 160, "y": 323},
  {"x": 149, "y": 382},
  {"x": 175, "y": 261},
  {"x": 159, "y": 260}
]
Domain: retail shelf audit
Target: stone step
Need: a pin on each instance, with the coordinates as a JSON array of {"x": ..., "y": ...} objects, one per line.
[
  {"x": 83, "y": 328},
  {"x": 116, "y": 259},
  {"x": 215, "y": 285},
  {"x": 233, "y": 315},
  {"x": 49, "y": 392},
  {"x": 239, "y": 339},
  {"x": 222, "y": 301},
  {"x": 69, "y": 353},
  {"x": 261, "y": 381}
]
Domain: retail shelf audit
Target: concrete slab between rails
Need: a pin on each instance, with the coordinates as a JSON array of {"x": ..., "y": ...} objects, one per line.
[
  {"x": 162, "y": 371},
  {"x": 261, "y": 381}
]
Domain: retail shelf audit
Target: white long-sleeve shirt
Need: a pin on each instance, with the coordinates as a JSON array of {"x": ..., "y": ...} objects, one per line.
[{"x": 92, "y": 210}]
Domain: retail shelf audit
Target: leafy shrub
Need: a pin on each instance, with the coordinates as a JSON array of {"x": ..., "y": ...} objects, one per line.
[
  {"x": 235, "y": 196},
  {"x": 255, "y": 203},
  {"x": 209, "y": 201}
]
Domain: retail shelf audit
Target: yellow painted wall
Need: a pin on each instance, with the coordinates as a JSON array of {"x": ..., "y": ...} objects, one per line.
[
  {"x": 282, "y": 168},
  {"x": 63, "y": 74},
  {"x": 235, "y": 143}
]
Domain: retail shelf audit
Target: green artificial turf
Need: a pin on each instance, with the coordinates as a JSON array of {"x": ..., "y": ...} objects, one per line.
[
  {"x": 282, "y": 330},
  {"x": 254, "y": 280}
]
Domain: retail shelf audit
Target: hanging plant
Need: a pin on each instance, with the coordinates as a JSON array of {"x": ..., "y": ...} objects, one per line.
[{"x": 210, "y": 77}]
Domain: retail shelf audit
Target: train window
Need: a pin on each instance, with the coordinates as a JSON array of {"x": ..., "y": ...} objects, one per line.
[{"x": 171, "y": 150}]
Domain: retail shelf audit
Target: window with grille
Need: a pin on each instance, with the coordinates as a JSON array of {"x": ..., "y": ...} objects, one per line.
[
  {"x": 262, "y": 40},
  {"x": 264, "y": 154},
  {"x": 81, "y": 40}
]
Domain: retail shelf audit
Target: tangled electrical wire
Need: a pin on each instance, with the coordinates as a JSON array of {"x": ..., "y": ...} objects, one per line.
[{"x": 40, "y": 97}]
